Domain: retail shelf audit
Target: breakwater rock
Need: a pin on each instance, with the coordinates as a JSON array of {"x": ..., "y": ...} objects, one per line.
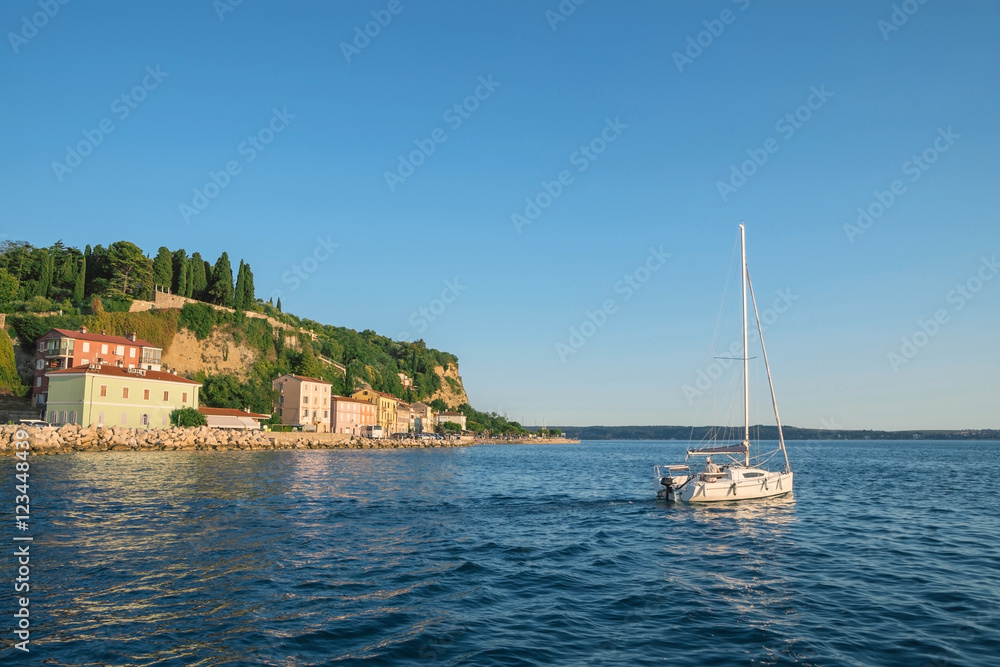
[{"x": 75, "y": 438}]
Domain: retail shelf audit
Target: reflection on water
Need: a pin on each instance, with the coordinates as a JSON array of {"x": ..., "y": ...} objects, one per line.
[{"x": 508, "y": 555}]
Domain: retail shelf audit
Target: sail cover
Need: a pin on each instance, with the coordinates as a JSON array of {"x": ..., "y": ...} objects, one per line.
[{"x": 731, "y": 449}]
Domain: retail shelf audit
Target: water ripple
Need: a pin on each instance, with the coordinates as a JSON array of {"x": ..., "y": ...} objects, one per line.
[{"x": 512, "y": 556}]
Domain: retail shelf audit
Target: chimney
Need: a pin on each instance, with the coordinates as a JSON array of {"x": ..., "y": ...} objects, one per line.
[
  {"x": 131, "y": 336},
  {"x": 83, "y": 329},
  {"x": 103, "y": 332}
]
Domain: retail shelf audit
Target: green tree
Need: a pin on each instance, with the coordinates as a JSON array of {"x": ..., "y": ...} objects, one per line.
[
  {"x": 80, "y": 284},
  {"x": 187, "y": 417},
  {"x": 180, "y": 265},
  {"x": 131, "y": 271},
  {"x": 45, "y": 279},
  {"x": 10, "y": 381},
  {"x": 29, "y": 329},
  {"x": 241, "y": 283},
  {"x": 163, "y": 268},
  {"x": 199, "y": 277},
  {"x": 221, "y": 290},
  {"x": 199, "y": 318},
  {"x": 452, "y": 427},
  {"x": 190, "y": 279},
  {"x": 249, "y": 295},
  {"x": 278, "y": 304},
  {"x": 309, "y": 365},
  {"x": 9, "y": 286},
  {"x": 438, "y": 405}
]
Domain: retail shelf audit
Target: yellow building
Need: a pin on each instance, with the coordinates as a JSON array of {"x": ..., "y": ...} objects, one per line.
[{"x": 385, "y": 406}]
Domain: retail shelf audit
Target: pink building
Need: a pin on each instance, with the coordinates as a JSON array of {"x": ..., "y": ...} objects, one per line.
[{"x": 351, "y": 415}]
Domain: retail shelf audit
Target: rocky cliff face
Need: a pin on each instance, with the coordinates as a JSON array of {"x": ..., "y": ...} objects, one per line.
[
  {"x": 452, "y": 390},
  {"x": 216, "y": 354}
]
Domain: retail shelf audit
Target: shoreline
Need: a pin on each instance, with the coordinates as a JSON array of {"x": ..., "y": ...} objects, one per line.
[{"x": 71, "y": 438}]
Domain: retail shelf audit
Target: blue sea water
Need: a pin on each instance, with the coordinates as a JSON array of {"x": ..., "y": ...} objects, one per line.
[{"x": 888, "y": 553}]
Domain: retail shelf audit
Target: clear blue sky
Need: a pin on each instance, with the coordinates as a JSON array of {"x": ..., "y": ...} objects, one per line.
[{"x": 677, "y": 131}]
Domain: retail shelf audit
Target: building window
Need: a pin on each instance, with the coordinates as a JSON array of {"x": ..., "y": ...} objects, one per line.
[
  {"x": 72, "y": 416},
  {"x": 100, "y": 419},
  {"x": 145, "y": 394},
  {"x": 104, "y": 349},
  {"x": 145, "y": 420},
  {"x": 305, "y": 399},
  {"x": 104, "y": 391},
  {"x": 38, "y": 382},
  {"x": 85, "y": 361},
  {"x": 124, "y": 392},
  {"x": 120, "y": 350},
  {"x": 184, "y": 397},
  {"x": 166, "y": 396},
  {"x": 62, "y": 417},
  {"x": 131, "y": 352},
  {"x": 40, "y": 364},
  {"x": 325, "y": 414},
  {"x": 124, "y": 419},
  {"x": 86, "y": 346},
  {"x": 41, "y": 346}
]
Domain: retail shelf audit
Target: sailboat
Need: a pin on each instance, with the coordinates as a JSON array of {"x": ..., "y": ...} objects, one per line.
[{"x": 740, "y": 477}]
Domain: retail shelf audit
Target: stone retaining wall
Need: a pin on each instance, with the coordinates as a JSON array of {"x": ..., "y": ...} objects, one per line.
[{"x": 74, "y": 438}]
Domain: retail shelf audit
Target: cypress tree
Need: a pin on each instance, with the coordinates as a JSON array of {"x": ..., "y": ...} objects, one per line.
[
  {"x": 278, "y": 305},
  {"x": 45, "y": 280},
  {"x": 250, "y": 293},
  {"x": 221, "y": 290},
  {"x": 241, "y": 283},
  {"x": 199, "y": 278},
  {"x": 190, "y": 279},
  {"x": 80, "y": 283},
  {"x": 163, "y": 268},
  {"x": 180, "y": 272}
]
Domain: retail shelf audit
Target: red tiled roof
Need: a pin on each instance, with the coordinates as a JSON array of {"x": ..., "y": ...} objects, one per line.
[
  {"x": 230, "y": 412},
  {"x": 102, "y": 338},
  {"x": 308, "y": 379},
  {"x": 115, "y": 371},
  {"x": 348, "y": 398}
]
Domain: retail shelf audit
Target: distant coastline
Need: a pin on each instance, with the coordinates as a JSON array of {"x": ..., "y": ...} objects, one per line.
[{"x": 697, "y": 433}]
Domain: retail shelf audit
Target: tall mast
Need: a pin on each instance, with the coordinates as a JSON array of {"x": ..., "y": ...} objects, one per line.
[
  {"x": 746, "y": 355},
  {"x": 770, "y": 383}
]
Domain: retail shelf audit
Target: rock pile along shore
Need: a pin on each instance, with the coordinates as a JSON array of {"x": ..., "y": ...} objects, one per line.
[{"x": 70, "y": 438}]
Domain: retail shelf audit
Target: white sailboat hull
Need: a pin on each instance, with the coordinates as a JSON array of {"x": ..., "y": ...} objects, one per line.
[{"x": 723, "y": 489}]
